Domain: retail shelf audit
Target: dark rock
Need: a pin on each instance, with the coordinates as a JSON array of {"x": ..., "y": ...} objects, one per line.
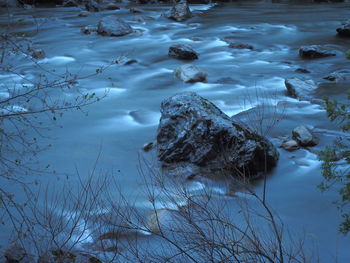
[
  {"x": 136, "y": 10},
  {"x": 298, "y": 88},
  {"x": 194, "y": 133},
  {"x": 304, "y": 136},
  {"x": 84, "y": 13},
  {"x": 290, "y": 145},
  {"x": 180, "y": 11},
  {"x": 302, "y": 70},
  {"x": 92, "y": 6},
  {"x": 148, "y": 146},
  {"x": 113, "y": 26},
  {"x": 190, "y": 73},
  {"x": 88, "y": 29},
  {"x": 112, "y": 6},
  {"x": 344, "y": 31},
  {"x": 183, "y": 52},
  {"x": 123, "y": 60},
  {"x": 70, "y": 3},
  {"x": 315, "y": 51},
  {"x": 339, "y": 76},
  {"x": 237, "y": 45},
  {"x": 38, "y": 54}
]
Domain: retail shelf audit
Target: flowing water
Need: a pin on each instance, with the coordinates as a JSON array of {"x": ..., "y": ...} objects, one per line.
[{"x": 238, "y": 80}]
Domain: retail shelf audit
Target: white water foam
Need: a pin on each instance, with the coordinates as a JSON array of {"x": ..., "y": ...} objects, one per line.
[{"x": 58, "y": 60}]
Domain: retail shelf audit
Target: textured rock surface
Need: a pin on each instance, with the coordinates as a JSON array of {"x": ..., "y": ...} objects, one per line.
[
  {"x": 196, "y": 136},
  {"x": 304, "y": 136},
  {"x": 344, "y": 31},
  {"x": 180, "y": 11},
  {"x": 113, "y": 26},
  {"x": 190, "y": 73},
  {"x": 299, "y": 88},
  {"x": 339, "y": 76},
  {"x": 315, "y": 51},
  {"x": 183, "y": 52}
]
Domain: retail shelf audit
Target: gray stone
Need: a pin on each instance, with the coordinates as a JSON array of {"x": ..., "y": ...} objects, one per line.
[
  {"x": 136, "y": 10},
  {"x": 238, "y": 45},
  {"x": 38, "y": 54},
  {"x": 304, "y": 136},
  {"x": 88, "y": 29},
  {"x": 124, "y": 60},
  {"x": 148, "y": 146},
  {"x": 190, "y": 73},
  {"x": 183, "y": 52},
  {"x": 84, "y": 13},
  {"x": 299, "y": 88},
  {"x": 70, "y": 3},
  {"x": 194, "y": 133},
  {"x": 344, "y": 31},
  {"x": 180, "y": 11},
  {"x": 339, "y": 76},
  {"x": 113, "y": 26},
  {"x": 112, "y": 6},
  {"x": 290, "y": 145},
  {"x": 315, "y": 51},
  {"x": 92, "y": 6}
]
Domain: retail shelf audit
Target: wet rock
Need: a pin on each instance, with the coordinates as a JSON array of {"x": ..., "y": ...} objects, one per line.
[
  {"x": 190, "y": 73},
  {"x": 183, "y": 52},
  {"x": 84, "y": 13},
  {"x": 180, "y": 11},
  {"x": 339, "y": 76},
  {"x": 299, "y": 88},
  {"x": 344, "y": 31},
  {"x": 290, "y": 145},
  {"x": 136, "y": 10},
  {"x": 88, "y": 29},
  {"x": 112, "y": 6},
  {"x": 148, "y": 146},
  {"x": 194, "y": 133},
  {"x": 38, "y": 54},
  {"x": 238, "y": 45},
  {"x": 124, "y": 60},
  {"x": 70, "y": 3},
  {"x": 92, "y": 6},
  {"x": 302, "y": 70},
  {"x": 113, "y": 26},
  {"x": 304, "y": 136},
  {"x": 315, "y": 51}
]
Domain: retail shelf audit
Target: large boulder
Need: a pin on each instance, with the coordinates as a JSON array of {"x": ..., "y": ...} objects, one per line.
[
  {"x": 315, "y": 51},
  {"x": 198, "y": 137},
  {"x": 299, "y": 88},
  {"x": 183, "y": 52},
  {"x": 180, "y": 11},
  {"x": 113, "y": 26},
  {"x": 190, "y": 73}
]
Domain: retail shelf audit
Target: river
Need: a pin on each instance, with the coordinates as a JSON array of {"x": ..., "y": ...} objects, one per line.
[{"x": 115, "y": 129}]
